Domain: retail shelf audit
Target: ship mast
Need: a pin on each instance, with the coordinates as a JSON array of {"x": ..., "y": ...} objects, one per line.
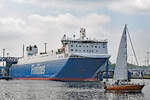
[
  {"x": 3, "y": 55},
  {"x": 45, "y": 48}
]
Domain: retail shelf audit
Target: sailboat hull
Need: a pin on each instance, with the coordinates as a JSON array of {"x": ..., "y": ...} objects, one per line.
[{"x": 125, "y": 88}]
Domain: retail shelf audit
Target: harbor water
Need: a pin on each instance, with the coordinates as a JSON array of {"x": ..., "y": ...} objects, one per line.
[{"x": 54, "y": 90}]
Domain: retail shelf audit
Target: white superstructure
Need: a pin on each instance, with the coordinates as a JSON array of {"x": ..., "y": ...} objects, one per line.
[
  {"x": 84, "y": 46},
  {"x": 71, "y": 47}
]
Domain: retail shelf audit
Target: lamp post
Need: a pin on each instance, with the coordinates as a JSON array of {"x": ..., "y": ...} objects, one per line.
[
  {"x": 3, "y": 55},
  {"x": 45, "y": 47},
  {"x": 148, "y": 58}
]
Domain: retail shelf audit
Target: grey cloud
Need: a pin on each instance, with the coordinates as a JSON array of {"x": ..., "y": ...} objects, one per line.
[
  {"x": 30, "y": 25},
  {"x": 39, "y": 29},
  {"x": 122, "y": 6}
]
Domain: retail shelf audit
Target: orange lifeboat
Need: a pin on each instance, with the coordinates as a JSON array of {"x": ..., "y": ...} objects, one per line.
[{"x": 124, "y": 88}]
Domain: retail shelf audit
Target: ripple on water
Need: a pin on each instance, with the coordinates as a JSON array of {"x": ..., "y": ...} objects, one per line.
[{"x": 51, "y": 90}]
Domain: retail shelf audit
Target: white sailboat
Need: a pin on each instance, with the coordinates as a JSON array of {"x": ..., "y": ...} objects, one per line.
[{"x": 121, "y": 70}]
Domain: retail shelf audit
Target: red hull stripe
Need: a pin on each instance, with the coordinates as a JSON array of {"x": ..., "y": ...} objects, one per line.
[{"x": 58, "y": 79}]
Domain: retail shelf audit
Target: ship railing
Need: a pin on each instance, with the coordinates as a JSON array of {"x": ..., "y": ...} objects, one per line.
[
  {"x": 63, "y": 55},
  {"x": 70, "y": 40}
]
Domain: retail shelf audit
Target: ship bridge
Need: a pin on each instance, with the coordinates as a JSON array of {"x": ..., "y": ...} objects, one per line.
[{"x": 84, "y": 46}]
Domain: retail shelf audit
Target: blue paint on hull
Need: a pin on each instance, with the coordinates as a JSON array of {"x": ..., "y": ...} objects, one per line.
[
  {"x": 71, "y": 68},
  {"x": 80, "y": 68},
  {"x": 25, "y": 71}
]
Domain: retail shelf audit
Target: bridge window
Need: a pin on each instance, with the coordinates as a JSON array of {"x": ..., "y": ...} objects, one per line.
[{"x": 103, "y": 45}]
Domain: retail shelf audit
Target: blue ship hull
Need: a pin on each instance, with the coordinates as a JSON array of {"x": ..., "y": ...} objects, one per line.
[{"x": 71, "y": 69}]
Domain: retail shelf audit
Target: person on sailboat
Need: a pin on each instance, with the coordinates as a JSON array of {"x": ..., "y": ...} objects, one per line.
[
  {"x": 105, "y": 86},
  {"x": 117, "y": 82}
]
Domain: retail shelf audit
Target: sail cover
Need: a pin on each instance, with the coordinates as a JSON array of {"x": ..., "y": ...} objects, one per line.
[{"x": 121, "y": 71}]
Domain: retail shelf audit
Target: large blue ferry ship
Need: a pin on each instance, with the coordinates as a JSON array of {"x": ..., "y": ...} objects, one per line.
[{"x": 79, "y": 59}]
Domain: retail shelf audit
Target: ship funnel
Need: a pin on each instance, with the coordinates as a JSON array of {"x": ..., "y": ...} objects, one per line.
[{"x": 32, "y": 50}]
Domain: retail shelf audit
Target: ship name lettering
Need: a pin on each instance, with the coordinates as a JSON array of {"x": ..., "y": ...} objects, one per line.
[{"x": 39, "y": 69}]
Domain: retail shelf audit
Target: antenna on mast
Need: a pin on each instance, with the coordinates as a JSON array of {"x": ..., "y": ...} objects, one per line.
[{"x": 83, "y": 33}]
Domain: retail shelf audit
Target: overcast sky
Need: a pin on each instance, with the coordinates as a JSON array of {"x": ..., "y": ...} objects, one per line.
[{"x": 38, "y": 21}]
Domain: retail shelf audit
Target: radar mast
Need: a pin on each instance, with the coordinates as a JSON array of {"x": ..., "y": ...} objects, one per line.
[{"x": 82, "y": 33}]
